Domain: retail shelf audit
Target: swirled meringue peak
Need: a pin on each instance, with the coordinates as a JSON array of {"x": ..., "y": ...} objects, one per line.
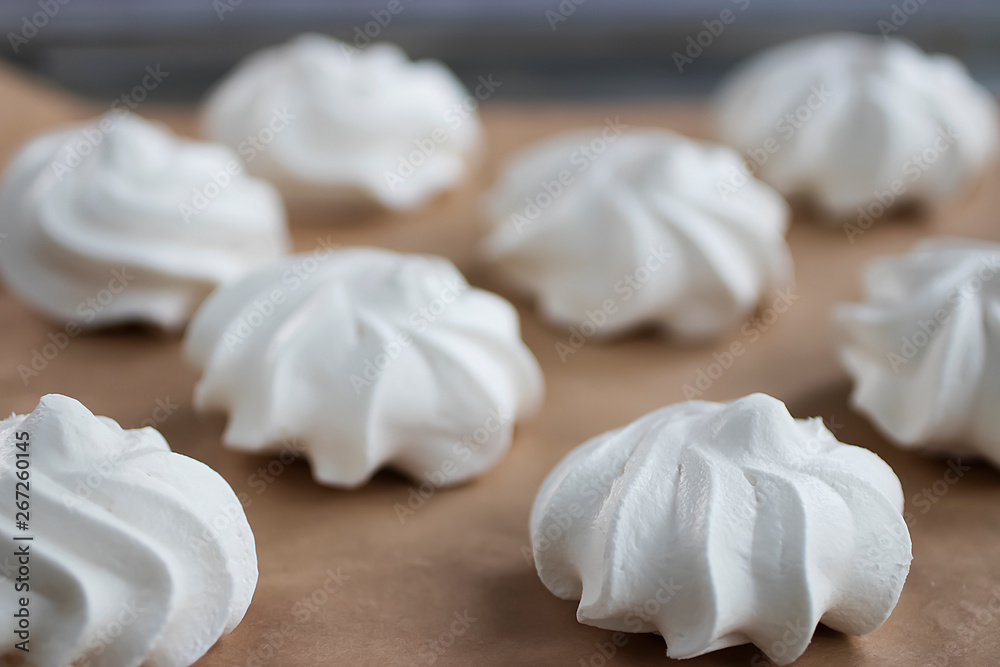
[
  {"x": 139, "y": 556},
  {"x": 105, "y": 226},
  {"x": 324, "y": 120},
  {"x": 924, "y": 347},
  {"x": 629, "y": 228},
  {"x": 857, "y": 123},
  {"x": 366, "y": 358},
  {"x": 717, "y": 524}
]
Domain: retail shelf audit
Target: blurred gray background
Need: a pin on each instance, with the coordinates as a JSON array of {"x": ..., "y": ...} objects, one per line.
[{"x": 538, "y": 49}]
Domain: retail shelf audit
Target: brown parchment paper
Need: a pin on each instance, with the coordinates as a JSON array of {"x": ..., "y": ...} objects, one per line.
[{"x": 344, "y": 582}]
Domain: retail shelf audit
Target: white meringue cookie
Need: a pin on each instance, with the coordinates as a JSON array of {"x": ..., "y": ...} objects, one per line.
[
  {"x": 367, "y": 358},
  {"x": 96, "y": 230},
  {"x": 840, "y": 118},
  {"x": 924, "y": 347},
  {"x": 139, "y": 555},
  {"x": 634, "y": 225},
  {"x": 324, "y": 120},
  {"x": 717, "y": 524}
]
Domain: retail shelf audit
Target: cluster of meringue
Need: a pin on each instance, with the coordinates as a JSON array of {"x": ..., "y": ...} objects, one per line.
[
  {"x": 374, "y": 359},
  {"x": 139, "y": 556},
  {"x": 924, "y": 347},
  {"x": 119, "y": 221},
  {"x": 632, "y": 225},
  {"x": 717, "y": 524},
  {"x": 737, "y": 519},
  {"x": 856, "y": 122},
  {"x": 324, "y": 120}
]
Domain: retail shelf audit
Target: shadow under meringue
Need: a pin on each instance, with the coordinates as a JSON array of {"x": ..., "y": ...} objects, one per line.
[
  {"x": 902, "y": 213},
  {"x": 519, "y": 605}
]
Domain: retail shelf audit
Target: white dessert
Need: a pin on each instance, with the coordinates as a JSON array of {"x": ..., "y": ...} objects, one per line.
[
  {"x": 717, "y": 524},
  {"x": 858, "y": 123},
  {"x": 104, "y": 224},
  {"x": 324, "y": 120},
  {"x": 139, "y": 556},
  {"x": 923, "y": 347},
  {"x": 628, "y": 229},
  {"x": 366, "y": 358}
]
